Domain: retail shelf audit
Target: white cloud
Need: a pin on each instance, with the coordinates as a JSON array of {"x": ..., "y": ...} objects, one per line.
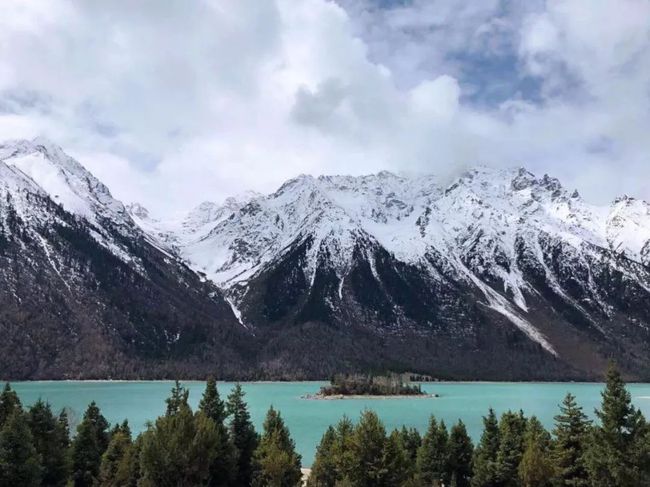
[{"x": 175, "y": 102}]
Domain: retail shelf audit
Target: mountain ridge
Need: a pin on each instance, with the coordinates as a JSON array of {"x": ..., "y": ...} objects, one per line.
[
  {"x": 83, "y": 291},
  {"x": 499, "y": 232},
  {"x": 499, "y": 275}
]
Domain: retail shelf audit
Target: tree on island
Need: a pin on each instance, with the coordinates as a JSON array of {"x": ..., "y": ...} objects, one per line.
[{"x": 370, "y": 385}]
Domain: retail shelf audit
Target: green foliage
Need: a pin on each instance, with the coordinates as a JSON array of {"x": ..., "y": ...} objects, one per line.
[
  {"x": 396, "y": 461},
  {"x": 370, "y": 385},
  {"x": 432, "y": 456},
  {"x": 8, "y": 403},
  {"x": 536, "y": 468},
  {"x": 51, "y": 441},
  {"x": 512, "y": 428},
  {"x": 459, "y": 456},
  {"x": 410, "y": 441},
  {"x": 115, "y": 469},
  {"x": 242, "y": 434},
  {"x": 176, "y": 399},
  {"x": 178, "y": 450},
  {"x": 88, "y": 446},
  {"x": 131, "y": 463},
  {"x": 20, "y": 463},
  {"x": 334, "y": 460},
  {"x": 367, "y": 450},
  {"x": 325, "y": 469},
  {"x": 361, "y": 455},
  {"x": 211, "y": 404},
  {"x": 186, "y": 449},
  {"x": 223, "y": 465},
  {"x": 571, "y": 436},
  {"x": 485, "y": 456},
  {"x": 618, "y": 452},
  {"x": 276, "y": 462}
]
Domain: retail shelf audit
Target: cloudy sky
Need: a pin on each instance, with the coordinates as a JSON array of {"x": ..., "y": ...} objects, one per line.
[{"x": 173, "y": 102}]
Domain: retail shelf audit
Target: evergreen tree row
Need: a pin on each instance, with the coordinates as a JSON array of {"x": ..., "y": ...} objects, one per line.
[
  {"x": 217, "y": 445},
  {"x": 513, "y": 451}
]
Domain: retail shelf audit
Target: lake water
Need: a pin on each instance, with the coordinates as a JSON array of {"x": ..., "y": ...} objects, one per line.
[{"x": 140, "y": 402}]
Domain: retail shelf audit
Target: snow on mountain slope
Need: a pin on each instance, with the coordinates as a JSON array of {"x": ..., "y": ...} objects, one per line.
[
  {"x": 84, "y": 293},
  {"x": 484, "y": 210},
  {"x": 64, "y": 179},
  {"x": 628, "y": 228},
  {"x": 52, "y": 172},
  {"x": 477, "y": 227},
  {"x": 501, "y": 274}
]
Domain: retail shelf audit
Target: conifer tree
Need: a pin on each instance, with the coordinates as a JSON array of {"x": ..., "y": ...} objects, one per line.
[
  {"x": 243, "y": 435},
  {"x": 485, "y": 456},
  {"x": 88, "y": 446},
  {"x": 512, "y": 428},
  {"x": 50, "y": 438},
  {"x": 397, "y": 463},
  {"x": 114, "y": 471},
  {"x": 334, "y": 460},
  {"x": 177, "y": 398},
  {"x": 178, "y": 449},
  {"x": 211, "y": 403},
  {"x": 343, "y": 451},
  {"x": 8, "y": 402},
  {"x": 222, "y": 468},
  {"x": 131, "y": 463},
  {"x": 433, "y": 454},
  {"x": 411, "y": 441},
  {"x": 367, "y": 451},
  {"x": 64, "y": 424},
  {"x": 459, "y": 456},
  {"x": 618, "y": 450},
  {"x": 20, "y": 463},
  {"x": 571, "y": 436},
  {"x": 324, "y": 470},
  {"x": 276, "y": 462},
  {"x": 536, "y": 466}
]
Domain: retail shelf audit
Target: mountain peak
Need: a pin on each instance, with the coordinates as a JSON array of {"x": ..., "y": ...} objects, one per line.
[{"x": 136, "y": 209}]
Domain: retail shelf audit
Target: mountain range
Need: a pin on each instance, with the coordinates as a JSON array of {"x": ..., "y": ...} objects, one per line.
[{"x": 499, "y": 275}]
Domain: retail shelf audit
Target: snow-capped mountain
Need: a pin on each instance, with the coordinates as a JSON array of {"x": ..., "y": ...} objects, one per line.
[
  {"x": 500, "y": 262},
  {"x": 499, "y": 275},
  {"x": 85, "y": 293}
]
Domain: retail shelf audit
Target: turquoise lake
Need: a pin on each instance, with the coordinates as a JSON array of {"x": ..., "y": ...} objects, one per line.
[{"x": 140, "y": 402}]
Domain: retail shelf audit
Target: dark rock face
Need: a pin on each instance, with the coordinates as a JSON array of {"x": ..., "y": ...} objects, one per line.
[
  {"x": 392, "y": 315},
  {"x": 93, "y": 298},
  {"x": 71, "y": 308}
]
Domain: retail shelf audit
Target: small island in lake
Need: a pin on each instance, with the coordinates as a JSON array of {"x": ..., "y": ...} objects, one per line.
[{"x": 360, "y": 386}]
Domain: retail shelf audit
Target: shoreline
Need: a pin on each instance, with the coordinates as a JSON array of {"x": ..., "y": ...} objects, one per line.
[
  {"x": 343, "y": 397},
  {"x": 313, "y": 381}
]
